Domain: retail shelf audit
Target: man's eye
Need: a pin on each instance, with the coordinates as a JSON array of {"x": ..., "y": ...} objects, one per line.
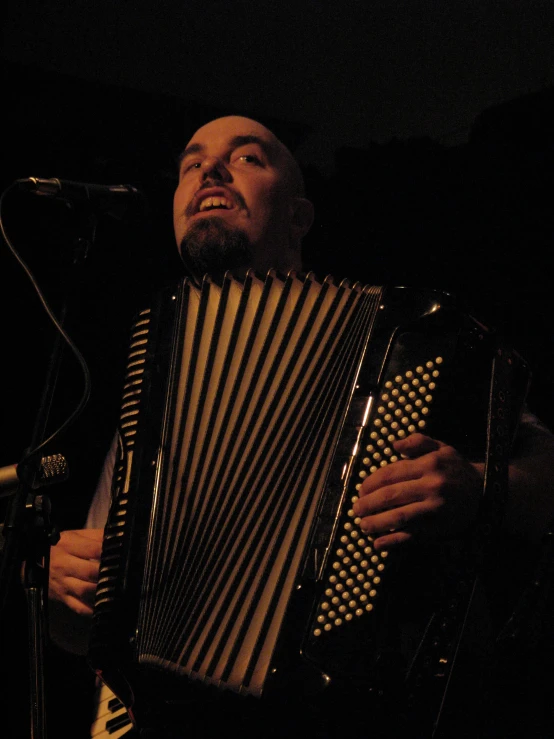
[
  {"x": 250, "y": 158},
  {"x": 191, "y": 165}
]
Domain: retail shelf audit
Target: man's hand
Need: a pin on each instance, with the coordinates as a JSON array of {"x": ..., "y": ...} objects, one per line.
[
  {"x": 433, "y": 493},
  {"x": 74, "y": 565}
]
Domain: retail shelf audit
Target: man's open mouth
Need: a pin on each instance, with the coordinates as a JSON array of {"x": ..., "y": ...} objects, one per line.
[{"x": 215, "y": 202}]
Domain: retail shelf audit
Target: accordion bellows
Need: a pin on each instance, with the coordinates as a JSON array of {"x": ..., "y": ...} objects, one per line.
[
  {"x": 271, "y": 375},
  {"x": 253, "y": 408}
]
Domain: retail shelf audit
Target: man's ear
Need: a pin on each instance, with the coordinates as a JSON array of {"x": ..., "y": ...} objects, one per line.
[{"x": 302, "y": 218}]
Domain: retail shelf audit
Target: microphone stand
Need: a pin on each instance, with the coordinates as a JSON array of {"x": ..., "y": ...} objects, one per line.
[{"x": 28, "y": 530}]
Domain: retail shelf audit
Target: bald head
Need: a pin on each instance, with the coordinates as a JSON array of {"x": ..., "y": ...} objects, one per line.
[{"x": 240, "y": 199}]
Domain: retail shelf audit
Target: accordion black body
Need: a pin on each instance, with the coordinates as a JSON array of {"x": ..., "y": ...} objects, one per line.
[{"x": 232, "y": 563}]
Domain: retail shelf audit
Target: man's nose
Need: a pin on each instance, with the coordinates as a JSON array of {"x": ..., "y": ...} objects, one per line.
[{"x": 214, "y": 168}]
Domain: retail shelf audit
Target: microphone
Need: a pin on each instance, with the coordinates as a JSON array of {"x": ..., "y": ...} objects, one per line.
[
  {"x": 103, "y": 197},
  {"x": 53, "y": 468}
]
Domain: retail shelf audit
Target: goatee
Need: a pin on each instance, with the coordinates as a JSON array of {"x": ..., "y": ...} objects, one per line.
[{"x": 210, "y": 246}]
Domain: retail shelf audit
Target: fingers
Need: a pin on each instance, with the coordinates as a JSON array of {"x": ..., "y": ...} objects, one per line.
[
  {"x": 416, "y": 445},
  {"x": 74, "y": 567},
  {"x": 75, "y": 593},
  {"x": 96, "y": 534},
  {"x": 78, "y": 606},
  {"x": 400, "y": 517},
  {"x": 68, "y": 566},
  {"x": 83, "y": 544},
  {"x": 432, "y": 491},
  {"x": 398, "y": 497},
  {"x": 392, "y": 474},
  {"x": 79, "y": 596},
  {"x": 394, "y": 519},
  {"x": 413, "y": 447},
  {"x": 392, "y": 540}
]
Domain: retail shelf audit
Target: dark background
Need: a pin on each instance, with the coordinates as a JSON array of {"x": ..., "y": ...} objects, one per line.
[{"x": 425, "y": 131}]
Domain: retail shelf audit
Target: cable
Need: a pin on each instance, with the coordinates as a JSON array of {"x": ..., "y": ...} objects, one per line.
[{"x": 80, "y": 359}]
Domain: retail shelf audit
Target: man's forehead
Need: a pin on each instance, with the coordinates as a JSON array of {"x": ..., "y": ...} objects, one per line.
[{"x": 226, "y": 130}]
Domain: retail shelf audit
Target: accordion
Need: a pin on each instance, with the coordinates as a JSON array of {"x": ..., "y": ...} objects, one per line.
[{"x": 232, "y": 563}]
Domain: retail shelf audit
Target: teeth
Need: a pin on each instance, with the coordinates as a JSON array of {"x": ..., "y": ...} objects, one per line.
[{"x": 215, "y": 202}]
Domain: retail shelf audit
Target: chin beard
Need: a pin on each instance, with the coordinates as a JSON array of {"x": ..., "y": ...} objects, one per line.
[{"x": 210, "y": 246}]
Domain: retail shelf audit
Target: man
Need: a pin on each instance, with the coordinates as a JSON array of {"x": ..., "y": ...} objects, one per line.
[{"x": 240, "y": 203}]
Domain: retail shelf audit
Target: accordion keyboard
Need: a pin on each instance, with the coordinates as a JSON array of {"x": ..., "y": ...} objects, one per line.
[{"x": 112, "y": 720}]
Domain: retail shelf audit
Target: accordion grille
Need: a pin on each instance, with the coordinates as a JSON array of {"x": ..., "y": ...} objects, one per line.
[{"x": 262, "y": 374}]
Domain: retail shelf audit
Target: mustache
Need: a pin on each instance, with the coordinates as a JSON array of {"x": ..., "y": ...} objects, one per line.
[{"x": 237, "y": 197}]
